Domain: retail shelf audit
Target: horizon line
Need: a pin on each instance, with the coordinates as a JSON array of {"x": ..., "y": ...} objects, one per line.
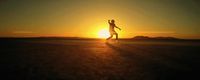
[{"x": 70, "y": 37}]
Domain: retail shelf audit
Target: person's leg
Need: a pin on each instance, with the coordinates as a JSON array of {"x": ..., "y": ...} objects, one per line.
[
  {"x": 116, "y": 36},
  {"x": 111, "y": 35}
]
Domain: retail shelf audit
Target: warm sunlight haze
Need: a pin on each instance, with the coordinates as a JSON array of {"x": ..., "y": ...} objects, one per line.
[
  {"x": 103, "y": 33},
  {"x": 86, "y": 18}
]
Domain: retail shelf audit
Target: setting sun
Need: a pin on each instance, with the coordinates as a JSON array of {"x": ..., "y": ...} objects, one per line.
[{"x": 103, "y": 33}]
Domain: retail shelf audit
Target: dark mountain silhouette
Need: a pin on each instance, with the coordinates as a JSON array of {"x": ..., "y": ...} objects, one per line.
[{"x": 154, "y": 38}]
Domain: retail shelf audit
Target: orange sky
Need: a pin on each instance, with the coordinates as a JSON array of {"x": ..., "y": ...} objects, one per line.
[{"x": 85, "y": 18}]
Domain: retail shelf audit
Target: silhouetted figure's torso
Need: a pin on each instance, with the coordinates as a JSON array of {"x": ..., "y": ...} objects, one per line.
[{"x": 111, "y": 28}]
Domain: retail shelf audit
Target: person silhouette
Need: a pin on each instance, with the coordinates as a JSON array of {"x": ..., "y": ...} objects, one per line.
[{"x": 112, "y": 30}]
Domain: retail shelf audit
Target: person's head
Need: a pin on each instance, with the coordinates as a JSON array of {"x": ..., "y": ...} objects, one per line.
[{"x": 112, "y": 21}]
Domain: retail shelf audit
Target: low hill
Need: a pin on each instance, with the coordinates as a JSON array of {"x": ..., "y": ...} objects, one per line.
[{"x": 154, "y": 38}]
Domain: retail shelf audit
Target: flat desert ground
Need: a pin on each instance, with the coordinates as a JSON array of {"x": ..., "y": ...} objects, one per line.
[{"x": 35, "y": 59}]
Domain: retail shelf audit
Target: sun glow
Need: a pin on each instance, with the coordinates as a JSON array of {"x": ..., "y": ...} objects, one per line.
[{"x": 103, "y": 33}]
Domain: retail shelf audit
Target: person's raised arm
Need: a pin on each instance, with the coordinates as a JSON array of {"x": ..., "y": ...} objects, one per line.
[{"x": 109, "y": 21}]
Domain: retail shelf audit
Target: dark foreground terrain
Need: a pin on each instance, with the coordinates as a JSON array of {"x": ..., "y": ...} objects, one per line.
[{"x": 26, "y": 59}]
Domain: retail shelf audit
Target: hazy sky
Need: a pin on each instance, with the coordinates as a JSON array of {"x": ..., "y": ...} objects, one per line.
[{"x": 84, "y": 18}]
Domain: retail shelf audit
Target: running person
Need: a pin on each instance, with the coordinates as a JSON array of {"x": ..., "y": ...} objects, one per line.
[{"x": 112, "y": 30}]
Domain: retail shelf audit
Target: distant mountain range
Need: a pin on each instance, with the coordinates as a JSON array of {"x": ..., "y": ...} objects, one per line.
[{"x": 154, "y": 38}]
